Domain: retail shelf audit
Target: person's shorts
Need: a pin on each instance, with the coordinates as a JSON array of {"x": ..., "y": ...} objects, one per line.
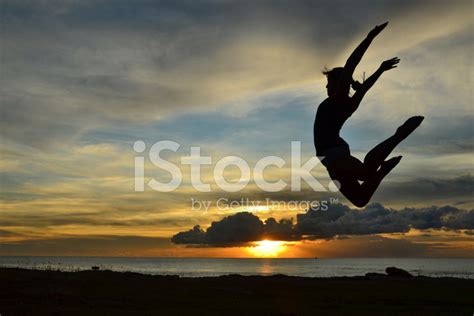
[{"x": 333, "y": 154}]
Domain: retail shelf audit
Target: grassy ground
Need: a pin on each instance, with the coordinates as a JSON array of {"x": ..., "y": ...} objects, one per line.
[{"x": 31, "y": 292}]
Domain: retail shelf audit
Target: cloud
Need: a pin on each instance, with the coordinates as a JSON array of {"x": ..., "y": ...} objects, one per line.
[
  {"x": 341, "y": 220},
  {"x": 447, "y": 217},
  {"x": 376, "y": 219},
  {"x": 238, "y": 229},
  {"x": 79, "y": 65},
  {"x": 93, "y": 245},
  {"x": 82, "y": 80},
  {"x": 338, "y": 220},
  {"x": 436, "y": 190},
  {"x": 7, "y": 233}
]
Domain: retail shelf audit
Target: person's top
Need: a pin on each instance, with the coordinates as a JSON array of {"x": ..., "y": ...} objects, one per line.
[{"x": 331, "y": 115}]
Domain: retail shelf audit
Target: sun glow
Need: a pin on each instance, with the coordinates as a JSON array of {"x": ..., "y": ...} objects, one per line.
[{"x": 267, "y": 248}]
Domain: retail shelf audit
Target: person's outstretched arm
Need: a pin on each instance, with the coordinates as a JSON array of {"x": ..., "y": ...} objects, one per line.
[
  {"x": 359, "y": 94},
  {"x": 357, "y": 54}
]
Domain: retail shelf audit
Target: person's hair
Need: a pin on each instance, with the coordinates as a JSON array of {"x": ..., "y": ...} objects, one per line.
[{"x": 336, "y": 73}]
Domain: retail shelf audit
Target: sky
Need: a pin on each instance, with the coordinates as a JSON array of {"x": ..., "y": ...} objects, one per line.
[{"x": 82, "y": 81}]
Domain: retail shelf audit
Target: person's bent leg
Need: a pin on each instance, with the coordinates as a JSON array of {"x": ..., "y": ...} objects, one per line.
[
  {"x": 374, "y": 158},
  {"x": 352, "y": 190},
  {"x": 360, "y": 194},
  {"x": 350, "y": 166}
]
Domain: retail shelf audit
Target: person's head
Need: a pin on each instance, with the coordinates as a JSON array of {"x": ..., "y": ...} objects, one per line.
[{"x": 336, "y": 84}]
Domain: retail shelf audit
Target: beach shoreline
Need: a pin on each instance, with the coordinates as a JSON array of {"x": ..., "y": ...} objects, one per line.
[{"x": 26, "y": 292}]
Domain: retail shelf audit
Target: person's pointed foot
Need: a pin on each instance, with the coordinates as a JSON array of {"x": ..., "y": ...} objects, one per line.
[
  {"x": 409, "y": 126},
  {"x": 388, "y": 165}
]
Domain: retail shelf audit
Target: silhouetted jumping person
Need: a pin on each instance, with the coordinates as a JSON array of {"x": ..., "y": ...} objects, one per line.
[{"x": 335, "y": 110}]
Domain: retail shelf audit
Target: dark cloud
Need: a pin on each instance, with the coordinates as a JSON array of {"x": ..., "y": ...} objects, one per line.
[
  {"x": 446, "y": 217},
  {"x": 241, "y": 227},
  {"x": 7, "y": 233},
  {"x": 338, "y": 220},
  {"x": 429, "y": 188},
  {"x": 375, "y": 219},
  {"x": 238, "y": 229},
  {"x": 193, "y": 236},
  {"x": 341, "y": 220}
]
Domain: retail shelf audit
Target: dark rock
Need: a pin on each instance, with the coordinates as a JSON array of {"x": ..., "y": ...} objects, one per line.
[{"x": 396, "y": 272}]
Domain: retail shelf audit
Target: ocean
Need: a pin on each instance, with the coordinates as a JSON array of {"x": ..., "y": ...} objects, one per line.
[{"x": 205, "y": 267}]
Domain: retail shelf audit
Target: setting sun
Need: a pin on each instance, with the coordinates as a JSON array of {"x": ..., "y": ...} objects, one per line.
[{"x": 267, "y": 248}]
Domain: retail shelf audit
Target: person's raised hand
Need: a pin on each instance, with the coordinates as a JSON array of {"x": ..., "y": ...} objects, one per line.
[
  {"x": 377, "y": 29},
  {"x": 390, "y": 64}
]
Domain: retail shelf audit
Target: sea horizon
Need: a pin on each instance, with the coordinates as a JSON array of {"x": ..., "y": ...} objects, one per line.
[{"x": 213, "y": 267}]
